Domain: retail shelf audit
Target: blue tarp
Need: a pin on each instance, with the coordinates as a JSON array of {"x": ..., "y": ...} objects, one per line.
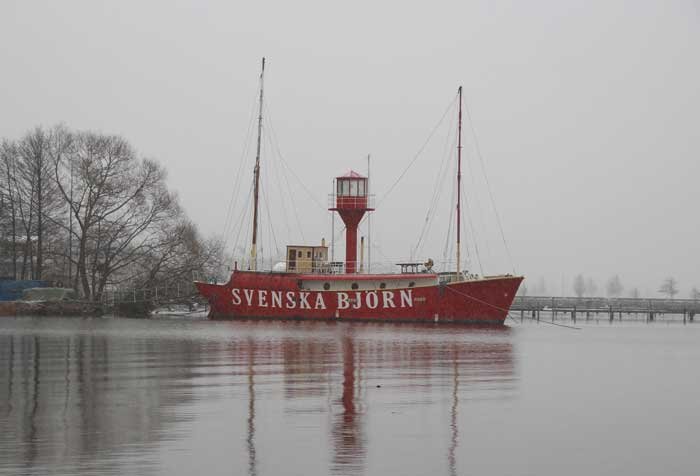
[{"x": 11, "y": 290}]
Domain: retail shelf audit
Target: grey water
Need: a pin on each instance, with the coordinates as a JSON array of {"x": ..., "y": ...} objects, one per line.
[{"x": 180, "y": 397}]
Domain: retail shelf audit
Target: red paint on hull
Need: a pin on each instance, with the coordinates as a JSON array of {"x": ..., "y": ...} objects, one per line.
[{"x": 259, "y": 295}]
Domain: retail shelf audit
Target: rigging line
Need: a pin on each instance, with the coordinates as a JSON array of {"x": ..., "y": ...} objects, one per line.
[
  {"x": 488, "y": 185},
  {"x": 244, "y": 211},
  {"x": 294, "y": 208},
  {"x": 437, "y": 194},
  {"x": 273, "y": 133},
  {"x": 281, "y": 190},
  {"x": 479, "y": 212},
  {"x": 507, "y": 311},
  {"x": 466, "y": 259},
  {"x": 289, "y": 186},
  {"x": 475, "y": 238},
  {"x": 242, "y": 220},
  {"x": 244, "y": 152},
  {"x": 269, "y": 218},
  {"x": 285, "y": 216},
  {"x": 448, "y": 235},
  {"x": 420, "y": 150},
  {"x": 264, "y": 186},
  {"x": 437, "y": 189}
]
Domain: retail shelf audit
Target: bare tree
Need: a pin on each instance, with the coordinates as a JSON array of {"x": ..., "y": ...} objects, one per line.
[
  {"x": 35, "y": 173},
  {"x": 180, "y": 253},
  {"x": 579, "y": 286},
  {"x": 634, "y": 293},
  {"x": 669, "y": 287},
  {"x": 541, "y": 288},
  {"x": 116, "y": 201},
  {"x": 591, "y": 287},
  {"x": 129, "y": 228},
  {"x": 8, "y": 192},
  {"x": 614, "y": 287},
  {"x": 695, "y": 293}
]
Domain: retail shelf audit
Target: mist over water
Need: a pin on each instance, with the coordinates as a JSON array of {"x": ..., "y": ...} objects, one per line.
[{"x": 118, "y": 396}]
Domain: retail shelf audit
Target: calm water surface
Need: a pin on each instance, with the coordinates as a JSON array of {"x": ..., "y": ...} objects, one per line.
[{"x": 175, "y": 397}]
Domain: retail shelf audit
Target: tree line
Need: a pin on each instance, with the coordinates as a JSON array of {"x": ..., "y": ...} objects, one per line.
[
  {"x": 84, "y": 210},
  {"x": 585, "y": 286}
]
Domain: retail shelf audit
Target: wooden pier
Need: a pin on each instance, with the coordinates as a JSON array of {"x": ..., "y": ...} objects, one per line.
[{"x": 612, "y": 308}]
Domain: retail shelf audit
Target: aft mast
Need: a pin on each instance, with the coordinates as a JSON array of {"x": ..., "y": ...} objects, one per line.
[
  {"x": 256, "y": 173},
  {"x": 459, "y": 182}
]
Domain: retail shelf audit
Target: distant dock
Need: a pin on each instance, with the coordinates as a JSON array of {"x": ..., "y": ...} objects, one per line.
[{"x": 610, "y": 308}]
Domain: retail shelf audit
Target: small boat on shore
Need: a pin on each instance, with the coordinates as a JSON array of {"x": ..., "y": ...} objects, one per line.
[{"x": 309, "y": 286}]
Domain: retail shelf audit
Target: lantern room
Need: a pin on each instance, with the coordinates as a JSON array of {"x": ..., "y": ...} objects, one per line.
[{"x": 351, "y": 191}]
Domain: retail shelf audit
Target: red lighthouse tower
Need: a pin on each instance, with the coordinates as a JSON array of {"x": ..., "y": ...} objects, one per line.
[{"x": 351, "y": 201}]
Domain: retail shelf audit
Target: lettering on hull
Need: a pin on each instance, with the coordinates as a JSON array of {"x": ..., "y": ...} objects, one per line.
[{"x": 263, "y": 298}]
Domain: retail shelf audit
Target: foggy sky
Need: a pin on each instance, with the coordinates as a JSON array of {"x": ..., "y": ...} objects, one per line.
[{"x": 587, "y": 114}]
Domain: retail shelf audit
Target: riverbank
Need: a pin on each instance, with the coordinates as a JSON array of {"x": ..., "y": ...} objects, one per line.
[{"x": 49, "y": 308}]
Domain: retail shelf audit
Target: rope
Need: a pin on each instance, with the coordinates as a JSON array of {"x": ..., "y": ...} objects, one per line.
[
  {"x": 507, "y": 311},
  {"x": 488, "y": 185},
  {"x": 447, "y": 250},
  {"x": 269, "y": 219},
  {"x": 420, "y": 151},
  {"x": 274, "y": 143},
  {"x": 228, "y": 222},
  {"x": 437, "y": 190},
  {"x": 472, "y": 229},
  {"x": 280, "y": 189},
  {"x": 243, "y": 222},
  {"x": 279, "y": 153}
]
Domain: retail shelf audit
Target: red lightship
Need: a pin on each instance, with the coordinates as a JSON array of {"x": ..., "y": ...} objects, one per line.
[{"x": 311, "y": 287}]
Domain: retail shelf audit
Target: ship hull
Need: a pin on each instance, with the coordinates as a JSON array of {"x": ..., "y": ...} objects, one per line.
[{"x": 257, "y": 295}]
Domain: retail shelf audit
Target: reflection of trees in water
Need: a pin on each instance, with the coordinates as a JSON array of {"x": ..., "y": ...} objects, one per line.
[{"x": 81, "y": 398}]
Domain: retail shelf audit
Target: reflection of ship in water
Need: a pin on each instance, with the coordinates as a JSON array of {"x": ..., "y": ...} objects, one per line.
[
  {"x": 354, "y": 363},
  {"x": 348, "y": 438},
  {"x": 333, "y": 395}
]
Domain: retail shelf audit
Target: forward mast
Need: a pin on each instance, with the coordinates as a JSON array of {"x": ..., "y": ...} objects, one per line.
[{"x": 256, "y": 174}]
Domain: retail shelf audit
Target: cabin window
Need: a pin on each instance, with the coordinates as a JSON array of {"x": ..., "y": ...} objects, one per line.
[
  {"x": 346, "y": 187},
  {"x": 354, "y": 286},
  {"x": 361, "y": 188},
  {"x": 299, "y": 254},
  {"x": 326, "y": 286},
  {"x": 308, "y": 254}
]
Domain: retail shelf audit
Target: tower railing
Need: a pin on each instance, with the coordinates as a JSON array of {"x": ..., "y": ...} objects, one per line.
[{"x": 349, "y": 202}]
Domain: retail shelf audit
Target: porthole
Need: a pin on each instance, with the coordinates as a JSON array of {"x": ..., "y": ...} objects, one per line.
[
  {"x": 411, "y": 284},
  {"x": 326, "y": 286},
  {"x": 382, "y": 286},
  {"x": 354, "y": 286}
]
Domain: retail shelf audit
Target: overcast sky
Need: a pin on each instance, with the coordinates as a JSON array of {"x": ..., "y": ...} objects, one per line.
[{"x": 587, "y": 115}]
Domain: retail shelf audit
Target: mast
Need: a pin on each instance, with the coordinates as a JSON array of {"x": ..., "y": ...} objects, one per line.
[
  {"x": 459, "y": 180},
  {"x": 256, "y": 173}
]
